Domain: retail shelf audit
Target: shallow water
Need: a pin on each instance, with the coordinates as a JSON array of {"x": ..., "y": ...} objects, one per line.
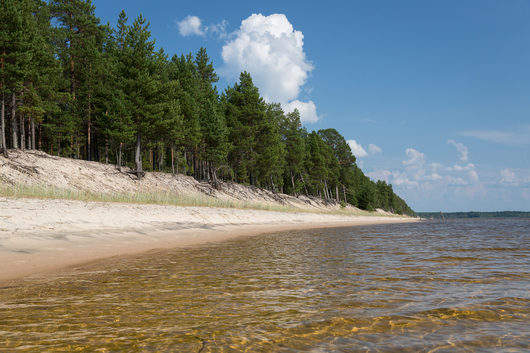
[{"x": 455, "y": 286}]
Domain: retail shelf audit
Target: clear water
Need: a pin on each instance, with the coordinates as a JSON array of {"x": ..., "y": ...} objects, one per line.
[{"x": 454, "y": 286}]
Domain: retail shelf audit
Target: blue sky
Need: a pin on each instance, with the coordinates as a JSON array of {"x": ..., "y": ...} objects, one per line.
[{"x": 433, "y": 96}]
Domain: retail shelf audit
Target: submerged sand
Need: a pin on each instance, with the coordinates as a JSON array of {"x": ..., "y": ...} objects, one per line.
[{"x": 37, "y": 236}]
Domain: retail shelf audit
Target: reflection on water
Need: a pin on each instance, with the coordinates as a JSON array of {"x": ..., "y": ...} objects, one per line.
[{"x": 444, "y": 287}]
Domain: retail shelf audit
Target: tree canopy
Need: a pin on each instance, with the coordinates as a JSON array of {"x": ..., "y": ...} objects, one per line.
[{"x": 73, "y": 87}]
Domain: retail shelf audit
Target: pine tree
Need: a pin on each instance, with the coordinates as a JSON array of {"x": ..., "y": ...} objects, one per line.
[
  {"x": 270, "y": 149},
  {"x": 215, "y": 138},
  {"x": 140, "y": 84},
  {"x": 293, "y": 137},
  {"x": 244, "y": 110}
]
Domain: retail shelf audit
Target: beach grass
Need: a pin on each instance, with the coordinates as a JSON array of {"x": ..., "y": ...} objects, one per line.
[{"x": 160, "y": 198}]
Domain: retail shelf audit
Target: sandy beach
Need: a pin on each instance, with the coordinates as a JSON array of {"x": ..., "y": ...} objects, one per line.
[{"x": 38, "y": 236}]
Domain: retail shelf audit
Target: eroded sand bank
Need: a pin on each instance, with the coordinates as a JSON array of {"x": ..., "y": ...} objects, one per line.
[{"x": 42, "y": 235}]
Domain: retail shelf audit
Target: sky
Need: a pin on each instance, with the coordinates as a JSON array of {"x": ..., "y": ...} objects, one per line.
[{"x": 432, "y": 96}]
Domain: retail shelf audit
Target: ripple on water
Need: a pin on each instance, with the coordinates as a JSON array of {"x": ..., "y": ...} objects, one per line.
[{"x": 453, "y": 286}]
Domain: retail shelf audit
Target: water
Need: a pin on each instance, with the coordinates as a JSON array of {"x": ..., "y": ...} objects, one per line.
[{"x": 455, "y": 286}]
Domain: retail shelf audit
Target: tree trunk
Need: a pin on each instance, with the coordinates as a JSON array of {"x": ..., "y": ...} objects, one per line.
[
  {"x": 89, "y": 132},
  {"x": 303, "y": 182},
  {"x": 33, "y": 146},
  {"x": 138, "y": 156},
  {"x": 292, "y": 182},
  {"x": 106, "y": 150},
  {"x": 172, "y": 159},
  {"x": 40, "y": 137},
  {"x": 178, "y": 162},
  {"x": 119, "y": 156},
  {"x": 3, "y": 128},
  {"x": 344, "y": 192},
  {"x": 28, "y": 135},
  {"x": 77, "y": 148},
  {"x": 22, "y": 132},
  {"x": 160, "y": 158},
  {"x": 14, "y": 125},
  {"x": 337, "y": 193}
]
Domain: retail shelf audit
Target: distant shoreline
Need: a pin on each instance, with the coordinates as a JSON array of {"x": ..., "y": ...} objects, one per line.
[
  {"x": 38, "y": 236},
  {"x": 474, "y": 214}
]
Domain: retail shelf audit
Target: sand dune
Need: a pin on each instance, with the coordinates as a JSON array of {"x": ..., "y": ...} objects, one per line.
[{"x": 42, "y": 235}]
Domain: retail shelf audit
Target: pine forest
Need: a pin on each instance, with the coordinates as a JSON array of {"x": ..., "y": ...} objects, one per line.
[{"x": 73, "y": 87}]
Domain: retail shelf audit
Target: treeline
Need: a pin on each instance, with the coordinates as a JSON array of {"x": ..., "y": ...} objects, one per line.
[
  {"x": 73, "y": 87},
  {"x": 473, "y": 214}
]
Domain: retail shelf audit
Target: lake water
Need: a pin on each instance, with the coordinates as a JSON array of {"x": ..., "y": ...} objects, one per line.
[{"x": 454, "y": 286}]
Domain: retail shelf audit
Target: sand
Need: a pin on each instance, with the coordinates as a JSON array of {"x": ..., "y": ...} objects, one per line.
[{"x": 38, "y": 236}]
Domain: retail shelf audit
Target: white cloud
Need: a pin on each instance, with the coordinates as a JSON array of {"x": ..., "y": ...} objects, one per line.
[
  {"x": 419, "y": 178},
  {"x": 380, "y": 175},
  {"x": 374, "y": 149},
  {"x": 273, "y": 52},
  {"x": 357, "y": 149},
  {"x": 415, "y": 157},
  {"x": 307, "y": 110},
  {"x": 469, "y": 168},
  {"x": 219, "y": 29},
  {"x": 508, "y": 177},
  {"x": 461, "y": 148},
  {"x": 191, "y": 25}
]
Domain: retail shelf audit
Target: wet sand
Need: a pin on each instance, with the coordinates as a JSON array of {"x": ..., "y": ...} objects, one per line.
[{"x": 38, "y": 236}]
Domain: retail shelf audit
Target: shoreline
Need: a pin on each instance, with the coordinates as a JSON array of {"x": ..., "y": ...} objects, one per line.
[{"x": 41, "y": 236}]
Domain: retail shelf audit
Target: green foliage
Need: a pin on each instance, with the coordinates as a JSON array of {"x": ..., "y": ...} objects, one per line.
[{"x": 86, "y": 90}]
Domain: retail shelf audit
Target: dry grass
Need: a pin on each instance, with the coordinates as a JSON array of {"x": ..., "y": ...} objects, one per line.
[{"x": 39, "y": 192}]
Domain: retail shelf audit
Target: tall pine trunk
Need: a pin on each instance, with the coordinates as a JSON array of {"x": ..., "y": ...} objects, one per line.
[
  {"x": 40, "y": 137},
  {"x": 22, "y": 132},
  {"x": 292, "y": 182},
  {"x": 89, "y": 132},
  {"x": 106, "y": 150},
  {"x": 119, "y": 156},
  {"x": 172, "y": 158},
  {"x": 3, "y": 109},
  {"x": 14, "y": 125},
  {"x": 33, "y": 146},
  {"x": 303, "y": 182},
  {"x": 3, "y": 122},
  {"x": 138, "y": 155}
]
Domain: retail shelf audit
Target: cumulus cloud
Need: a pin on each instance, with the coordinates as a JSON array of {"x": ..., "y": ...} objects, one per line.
[
  {"x": 219, "y": 29},
  {"x": 414, "y": 156},
  {"x": 307, "y": 110},
  {"x": 191, "y": 25},
  {"x": 273, "y": 52},
  {"x": 380, "y": 175},
  {"x": 374, "y": 149},
  {"x": 469, "y": 168},
  {"x": 357, "y": 149},
  {"x": 508, "y": 177},
  {"x": 417, "y": 174},
  {"x": 461, "y": 148}
]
